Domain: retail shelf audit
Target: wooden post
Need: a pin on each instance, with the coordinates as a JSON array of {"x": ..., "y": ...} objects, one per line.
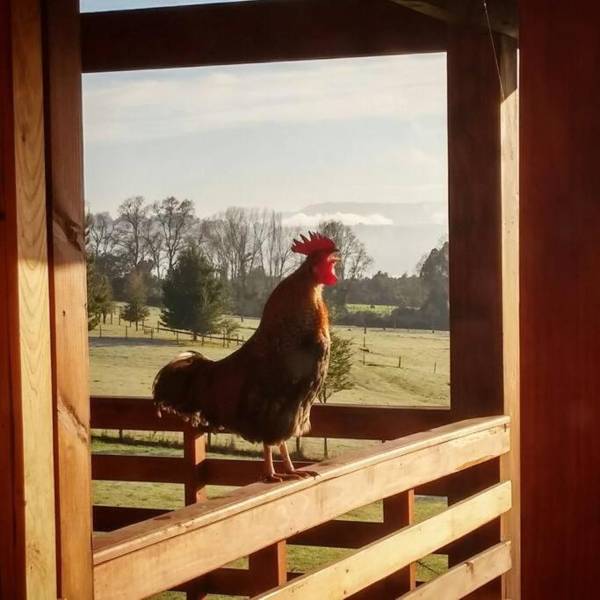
[
  {"x": 27, "y": 518},
  {"x": 399, "y": 511},
  {"x": 560, "y": 297},
  {"x": 268, "y": 567},
  {"x": 483, "y": 280},
  {"x": 194, "y": 453}
]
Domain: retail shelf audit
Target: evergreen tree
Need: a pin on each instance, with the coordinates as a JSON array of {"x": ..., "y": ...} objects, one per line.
[
  {"x": 338, "y": 375},
  {"x": 99, "y": 294},
  {"x": 136, "y": 295},
  {"x": 193, "y": 297}
]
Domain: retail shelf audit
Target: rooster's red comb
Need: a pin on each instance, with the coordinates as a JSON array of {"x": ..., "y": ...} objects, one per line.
[{"x": 314, "y": 243}]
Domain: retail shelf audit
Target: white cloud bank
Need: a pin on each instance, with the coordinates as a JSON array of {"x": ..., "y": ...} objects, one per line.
[
  {"x": 152, "y": 105},
  {"x": 303, "y": 220}
]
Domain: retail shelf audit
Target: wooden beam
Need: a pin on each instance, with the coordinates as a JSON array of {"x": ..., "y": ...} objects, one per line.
[
  {"x": 503, "y": 16},
  {"x": 483, "y": 209},
  {"x": 466, "y": 577},
  {"x": 380, "y": 559},
  {"x": 68, "y": 296},
  {"x": 157, "y": 469},
  {"x": 328, "y": 420},
  {"x": 155, "y": 555},
  {"x": 26, "y": 437},
  {"x": 560, "y": 296},
  {"x": 254, "y": 31},
  {"x": 510, "y": 465},
  {"x": 109, "y": 518}
]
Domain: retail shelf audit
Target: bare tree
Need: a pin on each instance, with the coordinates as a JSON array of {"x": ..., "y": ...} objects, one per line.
[
  {"x": 278, "y": 256},
  {"x": 131, "y": 226},
  {"x": 101, "y": 237},
  {"x": 354, "y": 257},
  {"x": 155, "y": 244},
  {"x": 176, "y": 219}
]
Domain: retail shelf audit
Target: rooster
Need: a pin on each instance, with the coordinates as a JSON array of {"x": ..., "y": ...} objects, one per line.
[{"x": 263, "y": 391}]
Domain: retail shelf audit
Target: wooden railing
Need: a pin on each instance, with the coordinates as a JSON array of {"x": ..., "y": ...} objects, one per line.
[{"x": 187, "y": 549}]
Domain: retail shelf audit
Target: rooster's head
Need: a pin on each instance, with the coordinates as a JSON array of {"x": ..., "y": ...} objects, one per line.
[{"x": 321, "y": 256}]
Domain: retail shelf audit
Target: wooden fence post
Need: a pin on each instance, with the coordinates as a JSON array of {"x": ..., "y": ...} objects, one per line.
[
  {"x": 194, "y": 453},
  {"x": 398, "y": 511},
  {"x": 268, "y": 567}
]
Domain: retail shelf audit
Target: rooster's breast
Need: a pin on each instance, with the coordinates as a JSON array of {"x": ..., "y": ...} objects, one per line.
[{"x": 281, "y": 389}]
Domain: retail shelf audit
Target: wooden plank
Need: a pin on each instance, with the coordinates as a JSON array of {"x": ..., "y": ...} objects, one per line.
[
  {"x": 157, "y": 469},
  {"x": 502, "y": 14},
  {"x": 194, "y": 457},
  {"x": 474, "y": 200},
  {"x": 109, "y": 518},
  {"x": 12, "y": 552},
  {"x": 189, "y": 541},
  {"x": 254, "y": 31},
  {"x": 560, "y": 296},
  {"x": 26, "y": 338},
  {"x": 226, "y": 471},
  {"x": 64, "y": 144},
  {"x": 268, "y": 568},
  {"x": 510, "y": 465},
  {"x": 112, "y": 412},
  {"x": 340, "y": 534},
  {"x": 465, "y": 577},
  {"x": 475, "y": 234},
  {"x": 331, "y": 420},
  {"x": 368, "y": 565}
]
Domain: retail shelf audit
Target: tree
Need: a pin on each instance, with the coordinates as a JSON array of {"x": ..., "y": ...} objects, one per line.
[
  {"x": 100, "y": 234},
  {"x": 136, "y": 294},
  {"x": 99, "y": 294},
  {"x": 354, "y": 261},
  {"x": 338, "y": 376},
  {"x": 131, "y": 226},
  {"x": 175, "y": 219},
  {"x": 194, "y": 298},
  {"x": 434, "y": 274}
]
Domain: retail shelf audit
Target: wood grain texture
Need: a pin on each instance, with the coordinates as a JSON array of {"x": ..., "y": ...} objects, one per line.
[
  {"x": 68, "y": 296},
  {"x": 268, "y": 568},
  {"x": 254, "y": 31},
  {"x": 478, "y": 349},
  {"x": 466, "y": 577},
  {"x": 510, "y": 466},
  {"x": 560, "y": 297},
  {"x": 194, "y": 455},
  {"x": 28, "y": 403},
  {"x": 267, "y": 513},
  {"x": 12, "y": 554},
  {"x": 367, "y": 565}
]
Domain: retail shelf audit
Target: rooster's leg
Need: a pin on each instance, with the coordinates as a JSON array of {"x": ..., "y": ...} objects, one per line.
[
  {"x": 270, "y": 475},
  {"x": 288, "y": 465}
]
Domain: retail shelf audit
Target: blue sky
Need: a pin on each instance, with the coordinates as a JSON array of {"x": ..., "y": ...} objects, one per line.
[{"x": 280, "y": 135}]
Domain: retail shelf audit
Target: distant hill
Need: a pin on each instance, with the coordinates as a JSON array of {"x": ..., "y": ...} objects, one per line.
[{"x": 396, "y": 235}]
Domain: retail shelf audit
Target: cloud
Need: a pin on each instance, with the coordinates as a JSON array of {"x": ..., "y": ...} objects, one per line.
[
  {"x": 301, "y": 219},
  {"x": 150, "y": 105}
]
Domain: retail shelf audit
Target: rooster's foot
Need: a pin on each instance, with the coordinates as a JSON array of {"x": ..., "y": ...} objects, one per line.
[{"x": 305, "y": 474}]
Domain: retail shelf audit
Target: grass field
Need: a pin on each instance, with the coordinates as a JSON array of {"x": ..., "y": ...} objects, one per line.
[
  {"x": 122, "y": 365},
  {"x": 380, "y": 309}
]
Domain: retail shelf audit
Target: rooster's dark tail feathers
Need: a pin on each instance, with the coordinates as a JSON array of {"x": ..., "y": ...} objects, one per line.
[{"x": 173, "y": 388}]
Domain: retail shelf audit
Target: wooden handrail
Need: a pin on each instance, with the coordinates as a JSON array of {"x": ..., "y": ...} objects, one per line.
[
  {"x": 328, "y": 420},
  {"x": 168, "y": 550}
]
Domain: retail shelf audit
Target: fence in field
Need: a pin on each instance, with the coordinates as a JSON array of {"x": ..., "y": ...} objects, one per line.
[{"x": 187, "y": 549}]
